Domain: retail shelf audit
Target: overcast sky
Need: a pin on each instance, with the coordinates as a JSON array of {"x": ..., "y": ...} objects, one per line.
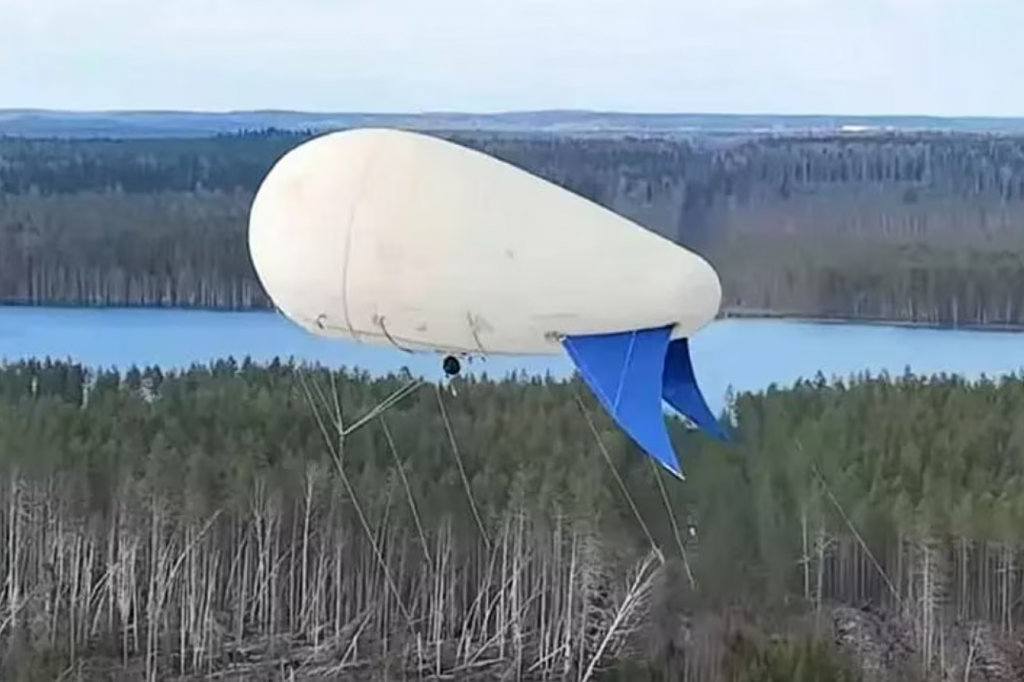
[{"x": 944, "y": 57}]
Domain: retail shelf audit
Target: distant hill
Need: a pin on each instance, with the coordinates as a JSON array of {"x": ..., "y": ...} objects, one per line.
[{"x": 78, "y": 124}]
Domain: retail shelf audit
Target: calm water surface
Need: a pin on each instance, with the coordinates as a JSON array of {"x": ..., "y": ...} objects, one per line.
[{"x": 744, "y": 354}]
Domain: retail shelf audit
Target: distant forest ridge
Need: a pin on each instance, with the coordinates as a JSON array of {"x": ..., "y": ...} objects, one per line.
[
  {"x": 46, "y": 123},
  {"x": 915, "y": 228}
]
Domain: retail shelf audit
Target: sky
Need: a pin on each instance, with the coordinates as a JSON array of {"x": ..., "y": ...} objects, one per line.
[{"x": 937, "y": 57}]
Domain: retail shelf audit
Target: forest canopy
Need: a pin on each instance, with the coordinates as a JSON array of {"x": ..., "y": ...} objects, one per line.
[
  {"x": 143, "y": 512},
  {"x": 905, "y": 227}
]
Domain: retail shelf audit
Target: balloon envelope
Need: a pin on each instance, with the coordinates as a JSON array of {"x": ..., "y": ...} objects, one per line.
[
  {"x": 393, "y": 237},
  {"x": 398, "y": 238}
]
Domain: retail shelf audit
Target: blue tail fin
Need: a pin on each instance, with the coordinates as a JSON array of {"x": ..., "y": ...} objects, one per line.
[
  {"x": 680, "y": 390},
  {"x": 630, "y": 372}
]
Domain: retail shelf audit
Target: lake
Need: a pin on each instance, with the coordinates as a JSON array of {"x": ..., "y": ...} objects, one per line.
[{"x": 744, "y": 354}]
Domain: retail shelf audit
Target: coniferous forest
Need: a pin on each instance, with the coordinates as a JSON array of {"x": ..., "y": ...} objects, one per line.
[
  {"x": 220, "y": 521},
  {"x": 267, "y": 523},
  {"x": 903, "y": 227}
]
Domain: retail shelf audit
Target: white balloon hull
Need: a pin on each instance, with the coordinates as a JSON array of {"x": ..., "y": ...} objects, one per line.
[{"x": 397, "y": 238}]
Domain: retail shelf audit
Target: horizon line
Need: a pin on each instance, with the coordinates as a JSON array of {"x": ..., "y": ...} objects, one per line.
[{"x": 499, "y": 113}]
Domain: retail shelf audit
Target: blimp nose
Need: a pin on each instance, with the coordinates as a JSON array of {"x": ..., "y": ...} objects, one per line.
[{"x": 299, "y": 230}]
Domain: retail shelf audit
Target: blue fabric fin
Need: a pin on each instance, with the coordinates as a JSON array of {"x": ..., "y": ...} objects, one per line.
[
  {"x": 680, "y": 390},
  {"x": 625, "y": 371}
]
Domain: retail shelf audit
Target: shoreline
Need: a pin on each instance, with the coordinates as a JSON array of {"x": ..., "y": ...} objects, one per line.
[
  {"x": 748, "y": 314},
  {"x": 724, "y": 314}
]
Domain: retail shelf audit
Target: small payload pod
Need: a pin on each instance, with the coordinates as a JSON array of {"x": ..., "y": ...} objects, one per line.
[{"x": 397, "y": 238}]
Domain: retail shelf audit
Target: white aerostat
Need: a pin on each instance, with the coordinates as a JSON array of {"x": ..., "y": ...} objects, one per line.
[{"x": 398, "y": 238}]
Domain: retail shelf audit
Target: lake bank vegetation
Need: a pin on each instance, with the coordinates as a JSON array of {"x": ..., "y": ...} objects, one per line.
[
  {"x": 208, "y": 522},
  {"x": 917, "y": 228}
]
